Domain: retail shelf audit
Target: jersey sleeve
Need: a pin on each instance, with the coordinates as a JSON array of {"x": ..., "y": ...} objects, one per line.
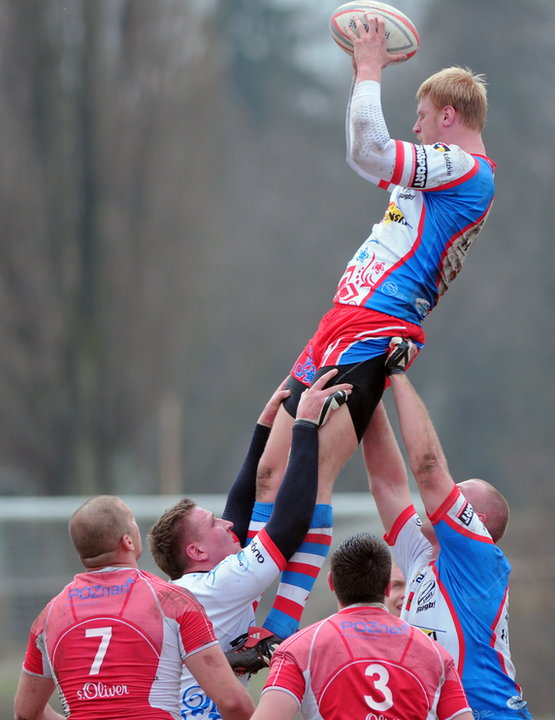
[
  {"x": 286, "y": 675},
  {"x": 36, "y": 657},
  {"x": 452, "y": 700},
  {"x": 178, "y": 604},
  {"x": 196, "y": 629},
  {"x": 386, "y": 162},
  {"x": 407, "y": 543}
]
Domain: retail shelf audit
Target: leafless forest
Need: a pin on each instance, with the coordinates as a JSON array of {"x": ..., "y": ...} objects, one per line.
[{"x": 176, "y": 211}]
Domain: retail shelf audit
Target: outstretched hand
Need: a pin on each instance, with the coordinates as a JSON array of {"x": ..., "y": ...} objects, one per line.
[
  {"x": 317, "y": 402},
  {"x": 268, "y": 415},
  {"x": 370, "y": 53},
  {"x": 402, "y": 352}
]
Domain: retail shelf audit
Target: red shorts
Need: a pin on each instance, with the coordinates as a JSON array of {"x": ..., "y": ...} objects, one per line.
[{"x": 350, "y": 334}]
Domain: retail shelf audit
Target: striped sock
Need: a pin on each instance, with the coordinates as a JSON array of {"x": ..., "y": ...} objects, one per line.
[
  {"x": 300, "y": 573},
  {"x": 260, "y": 515}
]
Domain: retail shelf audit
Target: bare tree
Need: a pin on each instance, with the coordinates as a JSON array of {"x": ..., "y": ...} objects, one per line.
[{"x": 100, "y": 179}]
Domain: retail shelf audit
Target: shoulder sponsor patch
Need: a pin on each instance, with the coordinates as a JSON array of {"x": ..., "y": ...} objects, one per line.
[
  {"x": 420, "y": 176},
  {"x": 254, "y": 548},
  {"x": 465, "y": 514}
]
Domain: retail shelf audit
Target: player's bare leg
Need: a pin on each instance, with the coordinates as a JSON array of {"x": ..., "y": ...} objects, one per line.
[
  {"x": 272, "y": 464},
  {"x": 337, "y": 443}
]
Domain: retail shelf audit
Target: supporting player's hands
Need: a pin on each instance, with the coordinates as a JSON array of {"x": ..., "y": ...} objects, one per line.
[
  {"x": 317, "y": 402},
  {"x": 268, "y": 415},
  {"x": 402, "y": 352},
  {"x": 370, "y": 53}
]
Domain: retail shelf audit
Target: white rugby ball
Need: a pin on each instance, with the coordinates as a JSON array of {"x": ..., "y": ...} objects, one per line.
[{"x": 400, "y": 32}]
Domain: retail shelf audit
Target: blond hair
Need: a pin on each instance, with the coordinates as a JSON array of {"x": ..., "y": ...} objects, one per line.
[{"x": 463, "y": 90}]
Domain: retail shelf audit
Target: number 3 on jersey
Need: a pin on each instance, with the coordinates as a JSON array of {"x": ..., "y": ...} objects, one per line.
[
  {"x": 379, "y": 677},
  {"x": 105, "y": 635}
]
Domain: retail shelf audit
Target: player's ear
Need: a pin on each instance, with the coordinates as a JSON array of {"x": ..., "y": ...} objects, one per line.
[
  {"x": 448, "y": 115},
  {"x": 330, "y": 582},
  {"x": 387, "y": 591},
  {"x": 127, "y": 542},
  {"x": 194, "y": 552}
]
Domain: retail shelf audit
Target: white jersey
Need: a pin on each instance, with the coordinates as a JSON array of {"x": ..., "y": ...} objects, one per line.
[{"x": 227, "y": 593}]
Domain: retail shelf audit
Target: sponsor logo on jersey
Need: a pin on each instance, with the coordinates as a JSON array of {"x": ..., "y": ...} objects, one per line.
[
  {"x": 390, "y": 288},
  {"x": 99, "y": 690},
  {"x": 420, "y": 176},
  {"x": 373, "y": 627},
  {"x": 424, "y": 600},
  {"x": 96, "y": 592},
  {"x": 255, "y": 550},
  {"x": 427, "y": 606},
  {"x": 393, "y": 214},
  {"x": 242, "y": 560},
  {"x": 406, "y": 195},
  {"x": 426, "y": 592},
  {"x": 196, "y": 702},
  {"x": 446, "y": 150},
  {"x": 516, "y": 703},
  {"x": 466, "y": 514},
  {"x": 422, "y": 307},
  {"x": 429, "y": 632},
  {"x": 306, "y": 369}
]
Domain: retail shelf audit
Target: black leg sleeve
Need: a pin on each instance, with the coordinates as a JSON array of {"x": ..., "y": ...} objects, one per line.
[
  {"x": 241, "y": 496},
  {"x": 295, "y": 500}
]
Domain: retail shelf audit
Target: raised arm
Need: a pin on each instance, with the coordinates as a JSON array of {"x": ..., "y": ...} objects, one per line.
[
  {"x": 387, "y": 475},
  {"x": 296, "y": 497},
  {"x": 371, "y": 152},
  {"x": 426, "y": 458},
  {"x": 241, "y": 496}
]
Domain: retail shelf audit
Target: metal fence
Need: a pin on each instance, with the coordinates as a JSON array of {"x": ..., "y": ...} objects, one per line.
[{"x": 37, "y": 558}]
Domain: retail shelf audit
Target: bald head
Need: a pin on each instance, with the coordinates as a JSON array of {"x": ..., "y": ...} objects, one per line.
[
  {"x": 97, "y": 527},
  {"x": 488, "y": 502}
]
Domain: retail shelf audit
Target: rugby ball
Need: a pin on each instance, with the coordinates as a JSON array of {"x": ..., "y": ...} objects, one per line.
[{"x": 400, "y": 32}]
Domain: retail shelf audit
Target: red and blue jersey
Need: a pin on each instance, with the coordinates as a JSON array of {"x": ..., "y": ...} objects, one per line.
[
  {"x": 461, "y": 600},
  {"x": 440, "y": 199}
]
